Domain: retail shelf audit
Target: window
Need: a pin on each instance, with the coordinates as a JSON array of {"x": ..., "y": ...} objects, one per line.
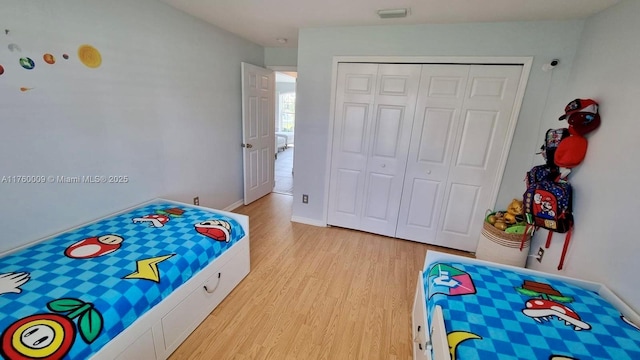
[{"x": 287, "y": 106}]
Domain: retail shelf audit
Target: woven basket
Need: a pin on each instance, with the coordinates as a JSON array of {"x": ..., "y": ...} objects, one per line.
[{"x": 498, "y": 246}]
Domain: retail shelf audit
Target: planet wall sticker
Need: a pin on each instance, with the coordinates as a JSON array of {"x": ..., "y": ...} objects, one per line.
[
  {"x": 1, "y": 70},
  {"x": 49, "y": 59},
  {"x": 27, "y": 63},
  {"x": 89, "y": 56},
  {"x": 65, "y": 56},
  {"x": 14, "y": 47}
]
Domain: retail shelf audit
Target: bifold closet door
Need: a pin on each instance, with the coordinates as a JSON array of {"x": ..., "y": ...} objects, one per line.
[
  {"x": 375, "y": 107},
  {"x": 440, "y": 99},
  {"x": 466, "y": 144}
]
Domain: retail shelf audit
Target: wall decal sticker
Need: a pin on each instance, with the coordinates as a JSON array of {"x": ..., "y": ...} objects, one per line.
[
  {"x": 14, "y": 48},
  {"x": 147, "y": 269},
  {"x": 94, "y": 246},
  {"x": 49, "y": 59},
  {"x": 65, "y": 56},
  {"x": 1, "y": 70},
  {"x": 11, "y": 282},
  {"x": 25, "y": 89},
  {"x": 27, "y": 63},
  {"x": 89, "y": 56}
]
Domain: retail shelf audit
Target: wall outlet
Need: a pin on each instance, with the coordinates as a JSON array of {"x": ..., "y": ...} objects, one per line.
[
  {"x": 305, "y": 198},
  {"x": 196, "y": 200},
  {"x": 540, "y": 254}
]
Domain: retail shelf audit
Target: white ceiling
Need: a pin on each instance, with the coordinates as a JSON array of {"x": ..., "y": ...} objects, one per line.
[{"x": 263, "y": 21}]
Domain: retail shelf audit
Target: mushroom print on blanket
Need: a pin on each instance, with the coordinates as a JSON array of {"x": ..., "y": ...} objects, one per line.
[
  {"x": 94, "y": 246},
  {"x": 51, "y": 335},
  {"x": 547, "y": 305},
  {"x": 218, "y": 230}
]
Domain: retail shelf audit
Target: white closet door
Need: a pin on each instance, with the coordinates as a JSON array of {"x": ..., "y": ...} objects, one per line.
[
  {"x": 394, "y": 107},
  {"x": 435, "y": 125},
  {"x": 479, "y": 144},
  {"x": 355, "y": 91},
  {"x": 374, "y": 114}
]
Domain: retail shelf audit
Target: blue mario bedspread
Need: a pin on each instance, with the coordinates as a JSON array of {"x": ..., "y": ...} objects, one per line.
[
  {"x": 492, "y": 313},
  {"x": 68, "y": 296}
]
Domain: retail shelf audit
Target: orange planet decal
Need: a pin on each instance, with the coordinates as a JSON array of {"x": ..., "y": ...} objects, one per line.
[
  {"x": 49, "y": 59},
  {"x": 89, "y": 56}
]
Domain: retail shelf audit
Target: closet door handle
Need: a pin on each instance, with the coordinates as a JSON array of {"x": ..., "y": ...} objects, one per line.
[
  {"x": 383, "y": 165},
  {"x": 428, "y": 171}
]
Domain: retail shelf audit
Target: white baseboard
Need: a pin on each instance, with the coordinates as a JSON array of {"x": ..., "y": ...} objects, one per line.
[
  {"x": 308, "y": 221},
  {"x": 234, "y": 206}
]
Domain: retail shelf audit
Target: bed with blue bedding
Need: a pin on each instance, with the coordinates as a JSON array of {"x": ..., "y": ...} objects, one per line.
[
  {"x": 492, "y": 311},
  {"x": 71, "y": 294}
]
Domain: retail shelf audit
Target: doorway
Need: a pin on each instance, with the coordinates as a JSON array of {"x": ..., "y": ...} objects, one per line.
[{"x": 284, "y": 131}]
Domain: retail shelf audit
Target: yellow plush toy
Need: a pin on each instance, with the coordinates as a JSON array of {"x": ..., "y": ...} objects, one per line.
[{"x": 515, "y": 208}]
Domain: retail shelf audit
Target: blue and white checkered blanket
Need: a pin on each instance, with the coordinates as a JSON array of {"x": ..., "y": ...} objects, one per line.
[
  {"x": 491, "y": 313},
  {"x": 68, "y": 296}
]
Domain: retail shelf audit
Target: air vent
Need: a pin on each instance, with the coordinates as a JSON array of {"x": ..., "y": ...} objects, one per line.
[{"x": 393, "y": 13}]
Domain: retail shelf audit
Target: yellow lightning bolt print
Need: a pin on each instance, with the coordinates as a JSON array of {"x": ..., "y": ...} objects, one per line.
[{"x": 147, "y": 269}]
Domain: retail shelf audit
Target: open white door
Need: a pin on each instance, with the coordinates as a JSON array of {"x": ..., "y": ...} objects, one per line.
[{"x": 258, "y": 131}]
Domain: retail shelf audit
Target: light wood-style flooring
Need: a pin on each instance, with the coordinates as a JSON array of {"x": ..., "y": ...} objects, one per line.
[{"x": 313, "y": 293}]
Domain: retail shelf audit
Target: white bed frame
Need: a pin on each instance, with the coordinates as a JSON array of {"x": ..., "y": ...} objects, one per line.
[
  {"x": 436, "y": 337},
  {"x": 159, "y": 332}
]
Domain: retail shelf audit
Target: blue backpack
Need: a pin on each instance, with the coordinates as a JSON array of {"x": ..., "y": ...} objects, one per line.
[{"x": 548, "y": 204}]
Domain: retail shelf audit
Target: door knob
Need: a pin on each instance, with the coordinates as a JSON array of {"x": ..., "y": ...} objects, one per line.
[
  {"x": 248, "y": 146},
  {"x": 428, "y": 171},
  {"x": 383, "y": 165}
]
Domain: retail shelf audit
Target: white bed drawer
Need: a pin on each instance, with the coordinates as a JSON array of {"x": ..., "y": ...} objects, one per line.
[
  {"x": 142, "y": 348},
  {"x": 187, "y": 315}
]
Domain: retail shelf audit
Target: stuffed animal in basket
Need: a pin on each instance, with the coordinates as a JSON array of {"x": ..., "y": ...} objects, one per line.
[
  {"x": 497, "y": 220},
  {"x": 516, "y": 208}
]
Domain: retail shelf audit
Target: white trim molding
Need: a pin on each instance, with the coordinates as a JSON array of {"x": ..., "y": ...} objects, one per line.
[
  {"x": 234, "y": 206},
  {"x": 307, "y": 221}
]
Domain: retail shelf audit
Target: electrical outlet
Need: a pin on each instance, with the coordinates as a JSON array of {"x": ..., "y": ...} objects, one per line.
[
  {"x": 540, "y": 255},
  {"x": 196, "y": 200},
  {"x": 305, "y": 198}
]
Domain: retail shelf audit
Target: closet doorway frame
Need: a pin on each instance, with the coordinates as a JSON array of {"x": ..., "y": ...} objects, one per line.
[{"x": 524, "y": 61}]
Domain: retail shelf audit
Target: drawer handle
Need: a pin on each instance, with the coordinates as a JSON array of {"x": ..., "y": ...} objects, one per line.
[
  {"x": 420, "y": 346},
  {"x": 419, "y": 327},
  {"x": 214, "y": 288}
]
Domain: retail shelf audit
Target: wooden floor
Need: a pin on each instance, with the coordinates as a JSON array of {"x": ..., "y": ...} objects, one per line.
[{"x": 313, "y": 293}]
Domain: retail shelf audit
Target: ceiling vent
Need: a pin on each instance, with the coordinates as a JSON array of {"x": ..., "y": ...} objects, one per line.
[{"x": 393, "y": 13}]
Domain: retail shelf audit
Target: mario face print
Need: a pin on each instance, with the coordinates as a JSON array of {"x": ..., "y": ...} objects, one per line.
[
  {"x": 544, "y": 205},
  {"x": 94, "y": 246}
]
